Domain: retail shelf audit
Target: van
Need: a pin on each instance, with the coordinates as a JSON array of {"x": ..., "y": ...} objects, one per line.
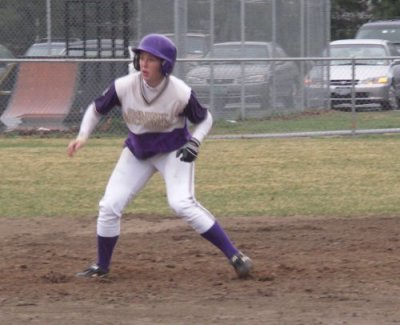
[{"x": 381, "y": 29}]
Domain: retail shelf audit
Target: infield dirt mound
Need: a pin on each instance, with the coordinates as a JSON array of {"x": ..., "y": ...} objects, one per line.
[{"x": 307, "y": 271}]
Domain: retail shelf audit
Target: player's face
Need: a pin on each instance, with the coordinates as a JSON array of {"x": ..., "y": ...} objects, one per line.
[{"x": 150, "y": 67}]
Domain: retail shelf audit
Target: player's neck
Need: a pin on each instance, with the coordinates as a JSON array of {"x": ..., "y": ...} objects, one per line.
[
  {"x": 154, "y": 83},
  {"x": 150, "y": 93}
]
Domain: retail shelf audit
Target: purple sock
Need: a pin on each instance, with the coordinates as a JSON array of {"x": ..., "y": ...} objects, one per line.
[
  {"x": 105, "y": 248},
  {"x": 219, "y": 238}
]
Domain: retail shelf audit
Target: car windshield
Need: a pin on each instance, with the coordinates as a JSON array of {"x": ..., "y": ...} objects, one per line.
[
  {"x": 379, "y": 32},
  {"x": 237, "y": 51},
  {"x": 358, "y": 51}
]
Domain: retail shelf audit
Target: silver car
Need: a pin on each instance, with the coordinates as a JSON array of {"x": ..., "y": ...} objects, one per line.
[
  {"x": 261, "y": 80},
  {"x": 46, "y": 49},
  {"x": 376, "y": 75}
]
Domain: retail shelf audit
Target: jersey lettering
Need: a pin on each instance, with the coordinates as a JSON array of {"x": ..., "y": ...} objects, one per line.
[{"x": 151, "y": 120}]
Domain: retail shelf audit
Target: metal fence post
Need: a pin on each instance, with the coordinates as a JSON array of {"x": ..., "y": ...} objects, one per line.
[
  {"x": 242, "y": 64},
  {"x": 353, "y": 96},
  {"x": 48, "y": 14}
]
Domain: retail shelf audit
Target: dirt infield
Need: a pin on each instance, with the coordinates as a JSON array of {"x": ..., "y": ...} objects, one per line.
[{"x": 308, "y": 271}]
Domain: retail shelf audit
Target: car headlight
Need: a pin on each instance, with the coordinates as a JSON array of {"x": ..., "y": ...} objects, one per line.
[
  {"x": 315, "y": 83},
  {"x": 254, "y": 78},
  {"x": 196, "y": 80},
  {"x": 376, "y": 81}
]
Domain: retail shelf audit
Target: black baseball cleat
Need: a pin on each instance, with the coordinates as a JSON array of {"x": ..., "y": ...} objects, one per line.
[
  {"x": 94, "y": 271},
  {"x": 242, "y": 264}
]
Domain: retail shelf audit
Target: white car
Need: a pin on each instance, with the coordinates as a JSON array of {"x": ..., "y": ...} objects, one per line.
[{"x": 376, "y": 75}]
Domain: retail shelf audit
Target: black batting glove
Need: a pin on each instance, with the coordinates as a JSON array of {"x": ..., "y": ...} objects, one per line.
[{"x": 189, "y": 151}]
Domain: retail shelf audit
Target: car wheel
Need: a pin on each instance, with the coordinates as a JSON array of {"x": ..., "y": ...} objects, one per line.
[
  {"x": 266, "y": 99},
  {"x": 392, "y": 101},
  {"x": 290, "y": 100}
]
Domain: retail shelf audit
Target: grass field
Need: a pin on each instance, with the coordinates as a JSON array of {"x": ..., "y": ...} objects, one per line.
[
  {"x": 311, "y": 121},
  {"x": 327, "y": 120},
  {"x": 332, "y": 176}
]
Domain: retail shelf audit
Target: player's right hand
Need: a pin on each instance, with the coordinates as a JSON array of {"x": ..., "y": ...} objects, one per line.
[{"x": 74, "y": 146}]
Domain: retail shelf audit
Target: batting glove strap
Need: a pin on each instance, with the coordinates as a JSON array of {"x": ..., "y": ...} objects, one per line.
[{"x": 190, "y": 151}]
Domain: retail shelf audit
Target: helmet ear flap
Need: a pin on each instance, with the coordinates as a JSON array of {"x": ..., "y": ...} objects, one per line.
[
  {"x": 136, "y": 64},
  {"x": 166, "y": 67}
]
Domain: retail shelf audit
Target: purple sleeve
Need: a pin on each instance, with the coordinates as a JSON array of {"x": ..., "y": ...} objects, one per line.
[
  {"x": 194, "y": 111},
  {"x": 107, "y": 100}
]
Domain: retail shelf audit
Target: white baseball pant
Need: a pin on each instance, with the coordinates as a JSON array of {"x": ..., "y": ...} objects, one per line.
[{"x": 130, "y": 175}]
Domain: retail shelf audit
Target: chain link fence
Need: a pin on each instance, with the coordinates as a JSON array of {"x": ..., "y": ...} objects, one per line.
[{"x": 245, "y": 59}]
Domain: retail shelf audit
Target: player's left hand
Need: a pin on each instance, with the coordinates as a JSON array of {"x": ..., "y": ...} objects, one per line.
[{"x": 189, "y": 151}]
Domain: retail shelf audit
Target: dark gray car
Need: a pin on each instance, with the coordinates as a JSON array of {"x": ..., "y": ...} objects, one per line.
[{"x": 260, "y": 80}]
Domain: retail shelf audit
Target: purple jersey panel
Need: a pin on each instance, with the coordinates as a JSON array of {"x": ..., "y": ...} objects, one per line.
[
  {"x": 146, "y": 145},
  {"x": 107, "y": 101},
  {"x": 194, "y": 111}
]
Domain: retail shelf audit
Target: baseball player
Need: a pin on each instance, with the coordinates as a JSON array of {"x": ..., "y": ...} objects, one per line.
[{"x": 157, "y": 108}]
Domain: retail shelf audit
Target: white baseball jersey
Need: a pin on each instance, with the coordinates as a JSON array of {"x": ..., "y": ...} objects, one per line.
[{"x": 157, "y": 124}]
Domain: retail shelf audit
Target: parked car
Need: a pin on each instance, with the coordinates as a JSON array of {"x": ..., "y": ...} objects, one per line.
[
  {"x": 376, "y": 77},
  {"x": 7, "y": 77},
  {"x": 259, "y": 78},
  {"x": 46, "y": 49},
  {"x": 5, "y": 67},
  {"x": 381, "y": 29}
]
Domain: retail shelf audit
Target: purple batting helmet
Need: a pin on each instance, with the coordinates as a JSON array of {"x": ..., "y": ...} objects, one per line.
[{"x": 159, "y": 46}]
